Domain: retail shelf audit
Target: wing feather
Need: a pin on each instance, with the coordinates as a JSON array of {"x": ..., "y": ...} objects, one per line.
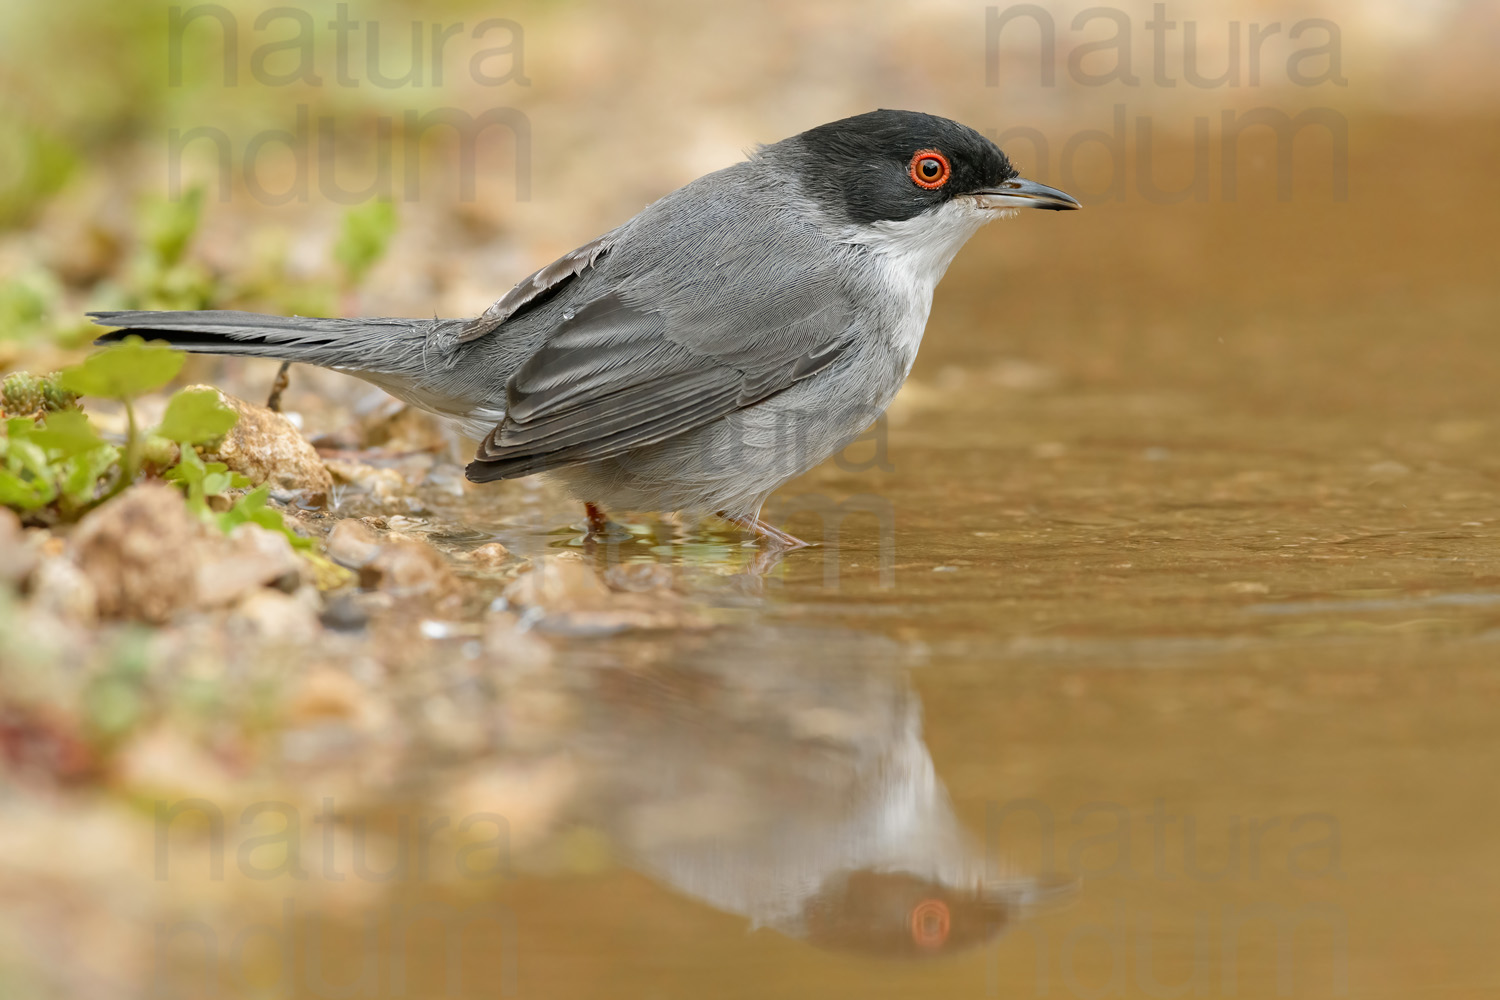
[{"x": 696, "y": 311}]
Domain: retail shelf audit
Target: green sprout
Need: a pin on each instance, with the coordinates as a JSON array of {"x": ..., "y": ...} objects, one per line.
[
  {"x": 53, "y": 460},
  {"x": 121, "y": 372}
]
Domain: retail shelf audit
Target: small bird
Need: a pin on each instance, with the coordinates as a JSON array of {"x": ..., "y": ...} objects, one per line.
[{"x": 728, "y": 338}]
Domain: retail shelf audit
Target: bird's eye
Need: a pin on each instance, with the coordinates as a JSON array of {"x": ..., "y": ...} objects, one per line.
[
  {"x": 930, "y": 920},
  {"x": 929, "y": 169}
]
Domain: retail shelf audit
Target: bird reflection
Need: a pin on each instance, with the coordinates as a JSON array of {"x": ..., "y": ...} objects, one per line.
[{"x": 782, "y": 776}]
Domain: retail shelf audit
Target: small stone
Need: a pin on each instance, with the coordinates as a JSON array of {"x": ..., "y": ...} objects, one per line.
[
  {"x": 573, "y": 598},
  {"x": 351, "y": 543},
  {"x": 251, "y": 558},
  {"x": 345, "y": 613},
  {"x": 276, "y": 617},
  {"x": 141, "y": 551},
  {"x": 556, "y": 584},
  {"x": 489, "y": 555},
  {"x": 408, "y": 567},
  {"x": 382, "y": 483},
  {"x": 266, "y": 447}
]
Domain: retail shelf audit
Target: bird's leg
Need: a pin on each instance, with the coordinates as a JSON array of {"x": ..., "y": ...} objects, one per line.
[
  {"x": 273, "y": 401},
  {"x": 761, "y": 529},
  {"x": 598, "y": 520}
]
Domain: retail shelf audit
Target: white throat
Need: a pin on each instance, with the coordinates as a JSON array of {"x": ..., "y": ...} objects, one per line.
[{"x": 921, "y": 248}]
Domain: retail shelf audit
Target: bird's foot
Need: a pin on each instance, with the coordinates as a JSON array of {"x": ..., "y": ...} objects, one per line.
[
  {"x": 598, "y": 520},
  {"x": 778, "y": 539}
]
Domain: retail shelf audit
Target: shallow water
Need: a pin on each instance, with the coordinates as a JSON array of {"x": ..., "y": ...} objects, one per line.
[{"x": 1155, "y": 654}]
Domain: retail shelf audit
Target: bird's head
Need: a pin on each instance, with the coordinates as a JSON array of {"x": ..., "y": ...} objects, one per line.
[
  {"x": 912, "y": 186},
  {"x": 892, "y": 166}
]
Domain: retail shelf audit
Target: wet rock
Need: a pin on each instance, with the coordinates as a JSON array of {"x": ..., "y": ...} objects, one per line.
[
  {"x": 488, "y": 556},
  {"x": 141, "y": 552},
  {"x": 379, "y": 482},
  {"x": 267, "y": 447},
  {"x": 274, "y": 616},
  {"x": 345, "y": 613},
  {"x": 558, "y": 584},
  {"x": 568, "y": 596},
  {"x": 410, "y": 568},
  {"x": 247, "y": 560},
  {"x": 148, "y": 557},
  {"x": 352, "y": 543}
]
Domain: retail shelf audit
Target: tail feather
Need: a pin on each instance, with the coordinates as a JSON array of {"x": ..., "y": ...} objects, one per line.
[{"x": 372, "y": 346}]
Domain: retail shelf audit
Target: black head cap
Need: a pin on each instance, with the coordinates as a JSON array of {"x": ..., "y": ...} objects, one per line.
[{"x": 868, "y": 166}]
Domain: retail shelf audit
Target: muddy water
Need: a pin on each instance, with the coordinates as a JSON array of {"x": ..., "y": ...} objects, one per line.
[{"x": 1155, "y": 654}]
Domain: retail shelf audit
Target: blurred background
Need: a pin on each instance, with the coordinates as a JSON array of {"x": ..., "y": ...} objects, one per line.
[{"x": 1188, "y": 510}]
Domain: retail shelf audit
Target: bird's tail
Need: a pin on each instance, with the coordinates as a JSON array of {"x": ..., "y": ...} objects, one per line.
[{"x": 400, "y": 348}]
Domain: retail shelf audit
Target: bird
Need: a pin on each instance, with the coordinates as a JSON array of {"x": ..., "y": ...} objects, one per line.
[{"x": 728, "y": 338}]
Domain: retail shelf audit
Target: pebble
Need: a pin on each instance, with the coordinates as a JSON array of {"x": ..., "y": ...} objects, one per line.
[
  {"x": 570, "y": 597},
  {"x": 248, "y": 560},
  {"x": 266, "y": 447},
  {"x": 141, "y": 553},
  {"x": 408, "y": 567},
  {"x": 489, "y": 555},
  {"x": 352, "y": 543}
]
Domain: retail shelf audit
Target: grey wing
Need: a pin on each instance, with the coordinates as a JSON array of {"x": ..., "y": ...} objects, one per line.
[
  {"x": 618, "y": 375},
  {"x": 536, "y": 288}
]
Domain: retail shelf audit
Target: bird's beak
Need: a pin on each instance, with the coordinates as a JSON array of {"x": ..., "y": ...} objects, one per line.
[{"x": 1020, "y": 193}]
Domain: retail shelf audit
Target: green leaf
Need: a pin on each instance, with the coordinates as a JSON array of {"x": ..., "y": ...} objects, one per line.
[
  {"x": 20, "y": 494},
  {"x": 67, "y": 433},
  {"x": 196, "y": 416},
  {"x": 203, "y": 480},
  {"x": 124, "y": 370},
  {"x": 366, "y": 233},
  {"x": 81, "y": 475},
  {"x": 251, "y": 509},
  {"x": 25, "y": 455}
]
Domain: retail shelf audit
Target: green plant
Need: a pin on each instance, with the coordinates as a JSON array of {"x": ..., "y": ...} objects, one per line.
[
  {"x": 54, "y": 464},
  {"x": 122, "y": 372},
  {"x": 57, "y": 464}
]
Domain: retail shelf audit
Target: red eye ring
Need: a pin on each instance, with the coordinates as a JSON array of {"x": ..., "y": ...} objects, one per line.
[
  {"x": 922, "y": 172},
  {"x": 930, "y": 921}
]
